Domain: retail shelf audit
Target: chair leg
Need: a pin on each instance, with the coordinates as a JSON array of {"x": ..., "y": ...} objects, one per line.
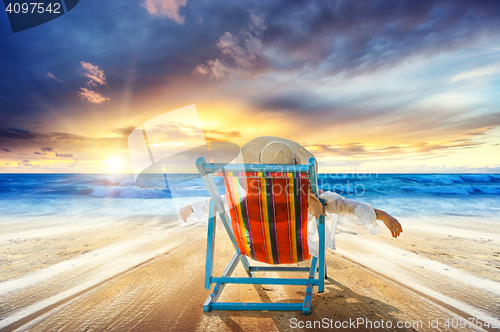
[
  {"x": 321, "y": 254},
  {"x": 231, "y": 266},
  {"x": 207, "y": 307},
  {"x": 210, "y": 246},
  {"x": 306, "y": 307},
  {"x": 246, "y": 265}
]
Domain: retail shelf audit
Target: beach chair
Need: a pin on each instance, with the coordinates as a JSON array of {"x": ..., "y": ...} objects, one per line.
[{"x": 267, "y": 223}]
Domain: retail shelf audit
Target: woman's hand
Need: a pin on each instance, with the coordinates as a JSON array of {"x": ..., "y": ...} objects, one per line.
[
  {"x": 185, "y": 212},
  {"x": 390, "y": 222}
]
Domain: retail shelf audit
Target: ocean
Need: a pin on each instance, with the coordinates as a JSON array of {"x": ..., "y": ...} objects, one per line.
[{"x": 118, "y": 194}]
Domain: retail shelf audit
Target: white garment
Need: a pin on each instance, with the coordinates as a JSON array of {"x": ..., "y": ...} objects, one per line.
[{"x": 335, "y": 205}]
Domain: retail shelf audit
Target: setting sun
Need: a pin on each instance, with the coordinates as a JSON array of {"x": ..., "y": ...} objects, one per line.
[{"x": 114, "y": 164}]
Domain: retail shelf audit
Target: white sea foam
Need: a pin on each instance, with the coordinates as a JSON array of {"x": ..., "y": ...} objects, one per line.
[
  {"x": 126, "y": 183},
  {"x": 74, "y": 207},
  {"x": 110, "y": 180},
  {"x": 129, "y": 192}
]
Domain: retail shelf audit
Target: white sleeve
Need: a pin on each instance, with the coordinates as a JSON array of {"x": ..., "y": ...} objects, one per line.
[
  {"x": 341, "y": 205},
  {"x": 201, "y": 207}
]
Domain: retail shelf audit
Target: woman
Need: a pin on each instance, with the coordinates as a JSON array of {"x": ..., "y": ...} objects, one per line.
[{"x": 275, "y": 150}]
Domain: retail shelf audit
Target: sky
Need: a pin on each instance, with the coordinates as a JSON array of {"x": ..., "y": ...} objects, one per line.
[{"x": 384, "y": 86}]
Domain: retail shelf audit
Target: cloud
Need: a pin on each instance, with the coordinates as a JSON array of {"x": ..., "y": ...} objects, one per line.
[
  {"x": 94, "y": 74},
  {"x": 295, "y": 102},
  {"x": 25, "y": 163},
  {"x": 96, "y": 79},
  {"x": 226, "y": 134},
  {"x": 167, "y": 8},
  {"x": 477, "y": 73},
  {"x": 36, "y": 152},
  {"x": 58, "y": 138},
  {"x": 18, "y": 130},
  {"x": 219, "y": 69},
  {"x": 123, "y": 131},
  {"x": 51, "y": 76},
  {"x": 91, "y": 96},
  {"x": 238, "y": 54},
  {"x": 6, "y": 150},
  {"x": 359, "y": 150},
  {"x": 200, "y": 69},
  {"x": 64, "y": 155},
  {"x": 357, "y": 37},
  {"x": 317, "y": 47},
  {"x": 173, "y": 132},
  {"x": 348, "y": 149},
  {"x": 220, "y": 136}
]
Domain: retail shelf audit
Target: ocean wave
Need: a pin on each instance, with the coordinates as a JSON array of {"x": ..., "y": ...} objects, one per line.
[
  {"x": 130, "y": 192},
  {"x": 478, "y": 177},
  {"x": 191, "y": 185},
  {"x": 432, "y": 178},
  {"x": 456, "y": 190},
  {"x": 488, "y": 189},
  {"x": 111, "y": 181},
  {"x": 127, "y": 183}
]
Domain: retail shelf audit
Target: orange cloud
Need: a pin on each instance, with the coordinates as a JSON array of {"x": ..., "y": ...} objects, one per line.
[
  {"x": 94, "y": 74},
  {"x": 168, "y": 8},
  {"x": 91, "y": 96}
]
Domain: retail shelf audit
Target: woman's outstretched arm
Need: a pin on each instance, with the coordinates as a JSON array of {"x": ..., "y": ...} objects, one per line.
[
  {"x": 390, "y": 222},
  {"x": 365, "y": 212}
]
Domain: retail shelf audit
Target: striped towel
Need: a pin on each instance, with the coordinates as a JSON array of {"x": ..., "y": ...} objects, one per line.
[{"x": 269, "y": 215}]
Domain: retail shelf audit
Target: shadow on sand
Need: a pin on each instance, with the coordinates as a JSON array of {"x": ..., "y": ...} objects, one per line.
[{"x": 337, "y": 305}]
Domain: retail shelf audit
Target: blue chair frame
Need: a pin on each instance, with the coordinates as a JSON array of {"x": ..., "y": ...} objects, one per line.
[{"x": 318, "y": 264}]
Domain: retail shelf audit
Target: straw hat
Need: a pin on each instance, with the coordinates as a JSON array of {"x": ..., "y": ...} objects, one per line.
[{"x": 274, "y": 150}]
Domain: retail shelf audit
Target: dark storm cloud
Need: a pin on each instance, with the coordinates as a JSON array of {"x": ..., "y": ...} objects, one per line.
[
  {"x": 313, "y": 108},
  {"x": 361, "y": 36},
  {"x": 18, "y": 130}
]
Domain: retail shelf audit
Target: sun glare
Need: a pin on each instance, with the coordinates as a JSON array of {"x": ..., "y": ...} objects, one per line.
[{"x": 114, "y": 164}]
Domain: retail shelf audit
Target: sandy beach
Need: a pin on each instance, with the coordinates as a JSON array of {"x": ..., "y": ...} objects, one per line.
[{"x": 146, "y": 274}]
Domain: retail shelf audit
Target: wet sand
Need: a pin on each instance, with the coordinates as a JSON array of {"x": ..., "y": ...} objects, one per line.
[{"x": 147, "y": 275}]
